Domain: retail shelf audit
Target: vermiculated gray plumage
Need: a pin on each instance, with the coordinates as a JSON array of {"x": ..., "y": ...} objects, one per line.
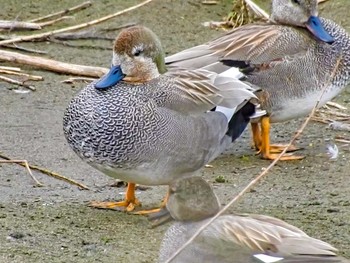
[
  {"x": 138, "y": 133},
  {"x": 144, "y": 125}
]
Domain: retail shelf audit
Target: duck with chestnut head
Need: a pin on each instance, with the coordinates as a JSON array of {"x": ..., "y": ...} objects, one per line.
[{"x": 143, "y": 125}]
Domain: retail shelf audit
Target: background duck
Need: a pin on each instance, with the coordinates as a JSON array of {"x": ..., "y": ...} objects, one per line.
[
  {"x": 143, "y": 126},
  {"x": 231, "y": 238},
  {"x": 294, "y": 58}
]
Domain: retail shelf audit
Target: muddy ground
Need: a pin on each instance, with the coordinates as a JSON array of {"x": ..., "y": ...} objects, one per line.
[{"x": 54, "y": 224}]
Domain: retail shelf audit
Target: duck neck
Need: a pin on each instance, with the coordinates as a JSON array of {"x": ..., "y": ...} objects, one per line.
[{"x": 160, "y": 62}]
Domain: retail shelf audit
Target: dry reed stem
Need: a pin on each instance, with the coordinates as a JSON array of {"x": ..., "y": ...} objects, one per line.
[
  {"x": 51, "y": 22},
  {"x": 47, "y": 172},
  {"x": 4, "y": 24},
  {"x": 63, "y": 12},
  {"x": 77, "y": 79},
  {"x": 16, "y": 73},
  {"x": 76, "y": 27},
  {"x": 10, "y": 68},
  {"x": 52, "y": 65},
  {"x": 26, "y": 165},
  {"x": 336, "y": 105},
  {"x": 14, "y": 46},
  {"x": 20, "y": 83}
]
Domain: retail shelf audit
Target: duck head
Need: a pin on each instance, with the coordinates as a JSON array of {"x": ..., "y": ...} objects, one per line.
[
  {"x": 302, "y": 13},
  {"x": 137, "y": 57},
  {"x": 190, "y": 199}
]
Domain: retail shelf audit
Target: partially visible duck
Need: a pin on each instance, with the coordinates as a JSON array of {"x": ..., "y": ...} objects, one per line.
[
  {"x": 293, "y": 58},
  {"x": 231, "y": 238}
]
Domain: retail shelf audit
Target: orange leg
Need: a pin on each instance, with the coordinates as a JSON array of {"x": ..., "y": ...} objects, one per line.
[
  {"x": 256, "y": 136},
  {"x": 155, "y": 210},
  {"x": 265, "y": 149},
  {"x": 130, "y": 201}
]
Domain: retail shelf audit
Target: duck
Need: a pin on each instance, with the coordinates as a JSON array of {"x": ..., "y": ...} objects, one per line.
[
  {"x": 296, "y": 59},
  {"x": 230, "y": 238},
  {"x": 144, "y": 125}
]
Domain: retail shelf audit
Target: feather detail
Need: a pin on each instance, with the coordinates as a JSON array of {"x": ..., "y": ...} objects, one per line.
[
  {"x": 259, "y": 43},
  {"x": 209, "y": 89},
  {"x": 262, "y": 234}
]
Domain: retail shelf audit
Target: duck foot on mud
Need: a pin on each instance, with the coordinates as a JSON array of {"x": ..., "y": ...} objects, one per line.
[{"x": 130, "y": 201}]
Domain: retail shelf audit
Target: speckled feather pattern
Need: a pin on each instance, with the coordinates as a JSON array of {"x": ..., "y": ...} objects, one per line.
[
  {"x": 136, "y": 132},
  {"x": 307, "y": 72}
]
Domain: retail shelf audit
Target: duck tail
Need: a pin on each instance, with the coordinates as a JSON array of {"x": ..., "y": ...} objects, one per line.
[
  {"x": 244, "y": 67},
  {"x": 238, "y": 119}
]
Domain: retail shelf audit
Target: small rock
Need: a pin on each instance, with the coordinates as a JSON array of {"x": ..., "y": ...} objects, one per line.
[
  {"x": 333, "y": 210},
  {"x": 14, "y": 236}
]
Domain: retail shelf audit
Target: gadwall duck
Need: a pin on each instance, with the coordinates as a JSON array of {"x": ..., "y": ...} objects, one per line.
[
  {"x": 293, "y": 58},
  {"x": 143, "y": 125},
  {"x": 231, "y": 238}
]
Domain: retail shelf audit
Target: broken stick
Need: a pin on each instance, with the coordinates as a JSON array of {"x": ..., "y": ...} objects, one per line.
[
  {"x": 4, "y": 24},
  {"x": 20, "y": 83},
  {"x": 64, "y": 12},
  {"x": 76, "y": 27},
  {"x": 49, "y": 173},
  {"x": 16, "y": 73},
  {"x": 26, "y": 165},
  {"x": 52, "y": 65}
]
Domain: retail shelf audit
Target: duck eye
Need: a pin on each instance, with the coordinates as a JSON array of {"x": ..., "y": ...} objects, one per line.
[
  {"x": 296, "y": 2},
  {"x": 137, "y": 53}
]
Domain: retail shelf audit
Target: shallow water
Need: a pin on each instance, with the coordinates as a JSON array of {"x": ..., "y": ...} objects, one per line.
[{"x": 53, "y": 223}]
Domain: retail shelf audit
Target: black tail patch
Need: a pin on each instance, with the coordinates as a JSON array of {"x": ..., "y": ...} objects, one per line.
[
  {"x": 243, "y": 66},
  {"x": 240, "y": 120}
]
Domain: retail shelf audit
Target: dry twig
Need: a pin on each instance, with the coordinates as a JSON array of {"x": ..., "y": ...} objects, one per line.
[
  {"x": 76, "y": 27},
  {"x": 20, "y": 83},
  {"x": 209, "y": 2},
  {"x": 52, "y": 65},
  {"x": 82, "y": 34},
  {"x": 47, "y": 172},
  {"x": 336, "y": 105},
  {"x": 51, "y": 22},
  {"x": 64, "y": 12},
  {"x": 119, "y": 27},
  {"x": 25, "y": 49},
  {"x": 16, "y": 73},
  {"x": 80, "y": 46},
  {"x": 18, "y": 25},
  {"x": 26, "y": 165},
  {"x": 72, "y": 80},
  {"x": 10, "y": 68}
]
